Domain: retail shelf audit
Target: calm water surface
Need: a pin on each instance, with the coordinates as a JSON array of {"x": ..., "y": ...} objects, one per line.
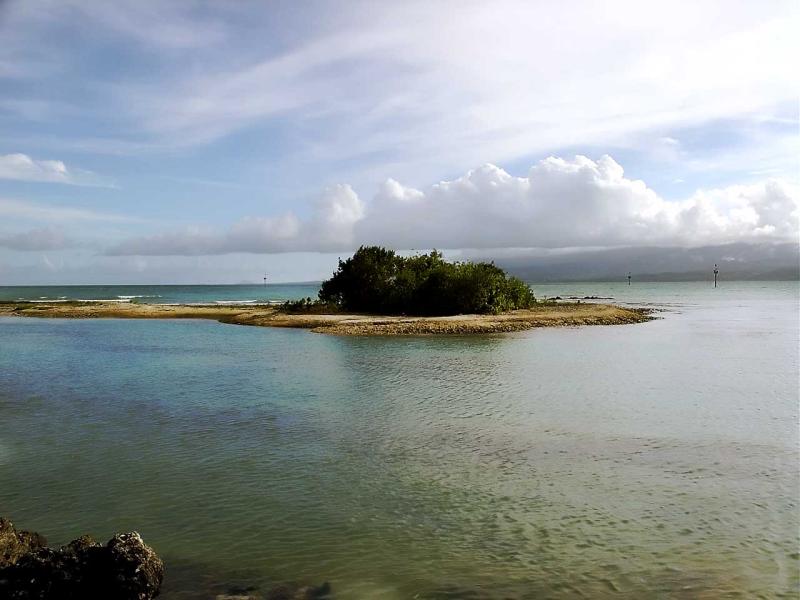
[{"x": 643, "y": 461}]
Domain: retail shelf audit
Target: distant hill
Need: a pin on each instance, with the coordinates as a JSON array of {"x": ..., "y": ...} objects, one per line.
[{"x": 739, "y": 261}]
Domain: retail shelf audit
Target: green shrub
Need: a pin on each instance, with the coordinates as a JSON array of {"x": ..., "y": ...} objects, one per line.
[
  {"x": 377, "y": 280},
  {"x": 307, "y": 306}
]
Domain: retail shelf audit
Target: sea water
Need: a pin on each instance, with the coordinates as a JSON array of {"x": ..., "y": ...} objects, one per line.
[
  {"x": 164, "y": 294},
  {"x": 656, "y": 460}
]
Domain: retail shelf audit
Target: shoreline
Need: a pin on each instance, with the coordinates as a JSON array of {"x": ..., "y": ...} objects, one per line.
[{"x": 546, "y": 315}]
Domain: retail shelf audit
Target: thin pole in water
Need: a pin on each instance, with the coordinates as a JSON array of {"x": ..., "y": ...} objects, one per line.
[
  {"x": 265, "y": 280},
  {"x": 629, "y": 277},
  {"x": 716, "y": 272}
]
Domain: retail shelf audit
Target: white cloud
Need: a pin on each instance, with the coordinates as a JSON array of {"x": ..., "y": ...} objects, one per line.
[
  {"x": 437, "y": 86},
  {"x": 434, "y": 86},
  {"x": 151, "y": 22},
  {"x": 560, "y": 204},
  {"x": 154, "y": 24},
  {"x": 22, "y": 167}
]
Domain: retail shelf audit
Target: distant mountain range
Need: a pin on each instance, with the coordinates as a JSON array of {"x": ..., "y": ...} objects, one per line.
[{"x": 736, "y": 262}]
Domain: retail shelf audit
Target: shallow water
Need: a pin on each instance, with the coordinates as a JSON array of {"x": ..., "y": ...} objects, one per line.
[{"x": 655, "y": 460}]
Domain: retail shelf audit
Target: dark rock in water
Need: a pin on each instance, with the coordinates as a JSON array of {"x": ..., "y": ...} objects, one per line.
[
  {"x": 124, "y": 569},
  {"x": 138, "y": 571},
  {"x": 308, "y": 592}
]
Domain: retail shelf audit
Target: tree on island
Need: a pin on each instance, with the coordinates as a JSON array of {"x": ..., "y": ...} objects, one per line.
[{"x": 379, "y": 281}]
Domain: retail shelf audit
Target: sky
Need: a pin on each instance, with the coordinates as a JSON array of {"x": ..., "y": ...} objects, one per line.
[{"x": 211, "y": 142}]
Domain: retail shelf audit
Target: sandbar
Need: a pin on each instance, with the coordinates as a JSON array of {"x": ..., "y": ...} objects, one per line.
[{"x": 562, "y": 314}]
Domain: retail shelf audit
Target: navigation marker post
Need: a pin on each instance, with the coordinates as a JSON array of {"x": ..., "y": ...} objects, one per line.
[
  {"x": 629, "y": 277},
  {"x": 716, "y": 272},
  {"x": 265, "y": 280}
]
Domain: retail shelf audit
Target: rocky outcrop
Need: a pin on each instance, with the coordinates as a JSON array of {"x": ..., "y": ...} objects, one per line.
[
  {"x": 16, "y": 544},
  {"x": 123, "y": 569}
]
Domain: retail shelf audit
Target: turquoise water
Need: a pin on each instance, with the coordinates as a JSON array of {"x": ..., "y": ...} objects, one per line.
[
  {"x": 645, "y": 461},
  {"x": 164, "y": 294}
]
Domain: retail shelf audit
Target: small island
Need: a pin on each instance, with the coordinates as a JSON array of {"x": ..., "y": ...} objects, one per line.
[
  {"x": 378, "y": 292},
  {"x": 379, "y": 281}
]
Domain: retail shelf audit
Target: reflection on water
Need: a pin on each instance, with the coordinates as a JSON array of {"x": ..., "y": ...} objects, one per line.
[{"x": 655, "y": 460}]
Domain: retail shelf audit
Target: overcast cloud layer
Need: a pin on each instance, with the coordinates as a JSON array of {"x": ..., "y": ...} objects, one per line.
[{"x": 561, "y": 203}]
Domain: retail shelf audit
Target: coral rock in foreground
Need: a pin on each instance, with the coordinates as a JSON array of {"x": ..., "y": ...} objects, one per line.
[{"x": 124, "y": 569}]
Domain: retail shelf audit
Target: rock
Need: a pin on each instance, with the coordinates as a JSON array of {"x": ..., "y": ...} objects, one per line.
[
  {"x": 15, "y": 544},
  {"x": 81, "y": 544},
  {"x": 137, "y": 569},
  {"x": 124, "y": 569}
]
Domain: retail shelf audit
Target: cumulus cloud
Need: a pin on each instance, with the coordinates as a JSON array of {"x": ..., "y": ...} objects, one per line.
[
  {"x": 45, "y": 238},
  {"x": 573, "y": 203},
  {"x": 561, "y": 203},
  {"x": 22, "y": 167}
]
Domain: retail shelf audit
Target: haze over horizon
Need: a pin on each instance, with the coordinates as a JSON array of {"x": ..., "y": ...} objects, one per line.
[{"x": 151, "y": 142}]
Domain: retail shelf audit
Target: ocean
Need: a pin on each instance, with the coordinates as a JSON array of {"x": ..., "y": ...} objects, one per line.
[
  {"x": 657, "y": 460},
  {"x": 271, "y": 293}
]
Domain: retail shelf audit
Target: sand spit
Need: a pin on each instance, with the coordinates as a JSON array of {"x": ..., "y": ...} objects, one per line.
[{"x": 566, "y": 314}]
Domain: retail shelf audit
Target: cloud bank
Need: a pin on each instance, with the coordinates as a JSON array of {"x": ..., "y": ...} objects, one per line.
[
  {"x": 559, "y": 204},
  {"x": 45, "y": 238},
  {"x": 11, "y": 208}
]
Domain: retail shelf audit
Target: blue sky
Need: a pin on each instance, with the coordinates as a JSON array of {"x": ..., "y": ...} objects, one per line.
[{"x": 209, "y": 141}]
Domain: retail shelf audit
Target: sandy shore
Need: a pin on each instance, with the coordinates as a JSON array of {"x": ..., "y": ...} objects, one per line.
[{"x": 546, "y": 315}]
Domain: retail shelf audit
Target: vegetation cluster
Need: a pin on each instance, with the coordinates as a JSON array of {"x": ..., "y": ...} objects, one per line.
[{"x": 379, "y": 281}]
